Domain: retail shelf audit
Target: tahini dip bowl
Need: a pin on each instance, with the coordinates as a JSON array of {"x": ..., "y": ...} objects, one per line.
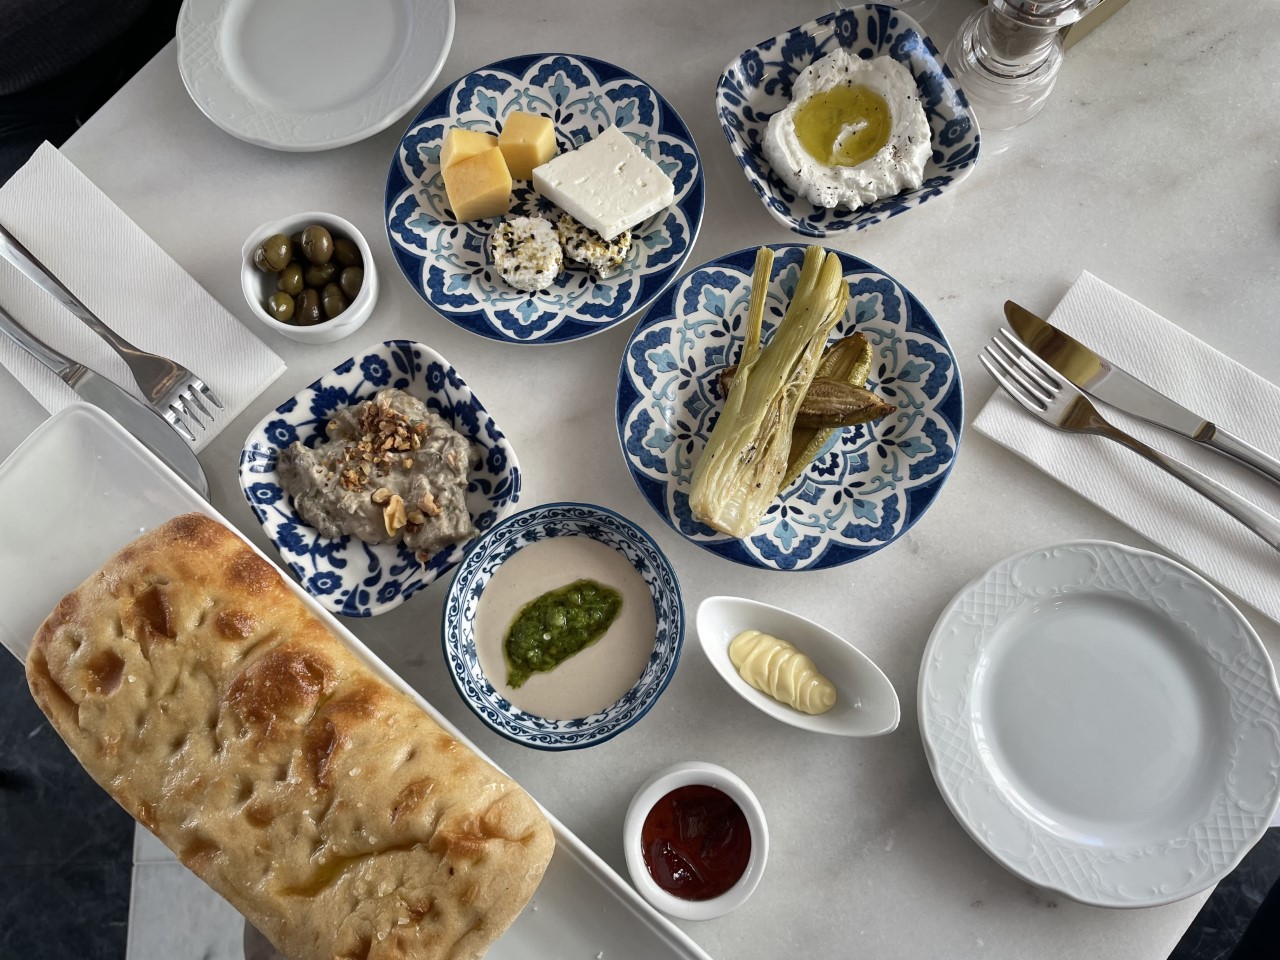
[
  {"x": 606, "y": 687},
  {"x": 866, "y": 703}
]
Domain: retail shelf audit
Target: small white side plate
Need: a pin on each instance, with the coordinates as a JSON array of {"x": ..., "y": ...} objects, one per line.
[
  {"x": 310, "y": 74},
  {"x": 1103, "y": 722},
  {"x": 866, "y": 703}
]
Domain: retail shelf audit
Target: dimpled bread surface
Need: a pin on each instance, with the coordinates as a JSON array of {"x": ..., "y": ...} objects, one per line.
[{"x": 324, "y": 804}]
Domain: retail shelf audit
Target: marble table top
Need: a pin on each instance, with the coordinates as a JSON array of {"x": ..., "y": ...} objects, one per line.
[{"x": 1152, "y": 166}]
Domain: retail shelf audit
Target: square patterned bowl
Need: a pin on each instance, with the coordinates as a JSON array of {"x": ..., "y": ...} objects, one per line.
[
  {"x": 757, "y": 85},
  {"x": 348, "y": 576}
]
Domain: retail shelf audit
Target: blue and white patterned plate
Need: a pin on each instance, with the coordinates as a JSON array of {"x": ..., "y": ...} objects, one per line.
[
  {"x": 446, "y": 262},
  {"x": 489, "y": 553},
  {"x": 757, "y": 85},
  {"x": 868, "y": 486},
  {"x": 351, "y": 577}
]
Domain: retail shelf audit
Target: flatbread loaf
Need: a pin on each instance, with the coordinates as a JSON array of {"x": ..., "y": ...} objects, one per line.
[{"x": 324, "y": 804}]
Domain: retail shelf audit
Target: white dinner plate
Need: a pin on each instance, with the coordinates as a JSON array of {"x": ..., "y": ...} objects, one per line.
[
  {"x": 82, "y": 457},
  {"x": 310, "y": 74},
  {"x": 1103, "y": 722}
]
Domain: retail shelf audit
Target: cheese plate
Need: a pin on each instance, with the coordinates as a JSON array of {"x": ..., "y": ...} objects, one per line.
[
  {"x": 582, "y": 908},
  {"x": 448, "y": 263}
]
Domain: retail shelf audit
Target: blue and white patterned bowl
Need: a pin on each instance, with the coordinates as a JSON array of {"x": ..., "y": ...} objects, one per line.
[
  {"x": 489, "y": 553},
  {"x": 757, "y": 85},
  {"x": 348, "y": 576},
  {"x": 446, "y": 262},
  {"x": 871, "y": 482}
]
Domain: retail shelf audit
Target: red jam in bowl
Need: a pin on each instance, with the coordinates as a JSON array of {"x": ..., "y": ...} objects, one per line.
[{"x": 696, "y": 842}]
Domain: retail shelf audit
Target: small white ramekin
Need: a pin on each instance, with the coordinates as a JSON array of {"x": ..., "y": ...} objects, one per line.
[
  {"x": 258, "y": 286},
  {"x": 657, "y": 787}
]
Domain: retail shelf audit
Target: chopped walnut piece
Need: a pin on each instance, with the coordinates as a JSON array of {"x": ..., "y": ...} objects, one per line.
[
  {"x": 416, "y": 518},
  {"x": 380, "y": 496},
  {"x": 393, "y": 516},
  {"x": 429, "y": 506}
]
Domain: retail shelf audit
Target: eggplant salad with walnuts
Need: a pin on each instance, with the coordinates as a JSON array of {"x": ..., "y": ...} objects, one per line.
[{"x": 390, "y": 470}]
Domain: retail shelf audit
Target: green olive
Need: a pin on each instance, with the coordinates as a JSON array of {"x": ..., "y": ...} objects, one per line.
[
  {"x": 307, "y": 309},
  {"x": 275, "y": 253},
  {"x": 280, "y": 306},
  {"x": 317, "y": 244},
  {"x": 346, "y": 253},
  {"x": 334, "y": 301},
  {"x": 318, "y": 274},
  {"x": 290, "y": 279},
  {"x": 352, "y": 280}
]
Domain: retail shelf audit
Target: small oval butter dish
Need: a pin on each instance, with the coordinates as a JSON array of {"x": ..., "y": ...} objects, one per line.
[
  {"x": 866, "y": 703},
  {"x": 694, "y": 773}
]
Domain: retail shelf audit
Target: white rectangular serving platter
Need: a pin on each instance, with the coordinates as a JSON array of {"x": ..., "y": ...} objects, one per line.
[{"x": 74, "y": 493}]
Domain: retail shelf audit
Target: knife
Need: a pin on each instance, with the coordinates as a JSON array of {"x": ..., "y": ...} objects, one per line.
[
  {"x": 1103, "y": 380},
  {"x": 135, "y": 416}
]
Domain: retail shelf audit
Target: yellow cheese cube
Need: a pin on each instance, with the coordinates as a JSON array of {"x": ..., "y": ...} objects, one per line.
[
  {"x": 460, "y": 144},
  {"x": 527, "y": 141},
  {"x": 479, "y": 186}
]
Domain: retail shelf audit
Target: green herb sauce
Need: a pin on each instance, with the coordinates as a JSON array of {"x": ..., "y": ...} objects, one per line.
[{"x": 552, "y": 628}]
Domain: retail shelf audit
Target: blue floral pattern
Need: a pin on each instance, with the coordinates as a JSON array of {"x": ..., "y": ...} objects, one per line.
[
  {"x": 447, "y": 263},
  {"x": 870, "y": 484},
  {"x": 346, "y": 575},
  {"x": 489, "y": 553},
  {"x": 758, "y": 84}
]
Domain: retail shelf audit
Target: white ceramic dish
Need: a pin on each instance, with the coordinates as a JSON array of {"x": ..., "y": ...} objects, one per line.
[
  {"x": 258, "y": 286},
  {"x": 657, "y": 787},
  {"x": 310, "y": 74},
  {"x": 866, "y": 703},
  {"x": 582, "y": 907},
  {"x": 1103, "y": 722}
]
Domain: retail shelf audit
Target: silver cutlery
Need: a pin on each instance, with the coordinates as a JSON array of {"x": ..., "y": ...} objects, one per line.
[
  {"x": 1101, "y": 379},
  {"x": 155, "y": 433},
  {"x": 173, "y": 391},
  {"x": 1040, "y": 389}
]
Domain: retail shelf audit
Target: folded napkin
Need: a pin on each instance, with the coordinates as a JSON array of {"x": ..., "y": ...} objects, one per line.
[
  {"x": 1137, "y": 492},
  {"x": 123, "y": 276}
]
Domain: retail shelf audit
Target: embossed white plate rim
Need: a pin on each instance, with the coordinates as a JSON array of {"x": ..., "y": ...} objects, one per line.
[
  {"x": 218, "y": 114},
  {"x": 947, "y": 788}
]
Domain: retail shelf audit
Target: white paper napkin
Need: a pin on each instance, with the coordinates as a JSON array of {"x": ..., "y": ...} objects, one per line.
[
  {"x": 1137, "y": 492},
  {"x": 124, "y": 277}
]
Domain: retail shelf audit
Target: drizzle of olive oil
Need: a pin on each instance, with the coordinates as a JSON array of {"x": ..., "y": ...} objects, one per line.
[{"x": 822, "y": 118}]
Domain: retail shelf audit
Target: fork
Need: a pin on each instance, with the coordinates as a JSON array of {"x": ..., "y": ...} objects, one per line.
[
  {"x": 1041, "y": 390},
  {"x": 171, "y": 389}
]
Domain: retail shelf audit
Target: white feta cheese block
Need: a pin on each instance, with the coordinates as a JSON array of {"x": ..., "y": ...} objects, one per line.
[{"x": 607, "y": 184}]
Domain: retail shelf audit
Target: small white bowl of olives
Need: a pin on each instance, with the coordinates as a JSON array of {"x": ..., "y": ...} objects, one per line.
[{"x": 309, "y": 277}]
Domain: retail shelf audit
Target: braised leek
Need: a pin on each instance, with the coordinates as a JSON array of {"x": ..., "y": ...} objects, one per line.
[{"x": 746, "y": 456}]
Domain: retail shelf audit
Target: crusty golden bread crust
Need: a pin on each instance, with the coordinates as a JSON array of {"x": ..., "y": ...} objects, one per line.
[{"x": 329, "y": 809}]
